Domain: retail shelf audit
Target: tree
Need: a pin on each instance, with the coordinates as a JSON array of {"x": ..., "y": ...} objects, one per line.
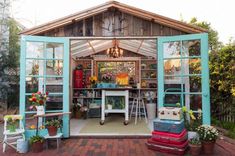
[{"x": 214, "y": 43}]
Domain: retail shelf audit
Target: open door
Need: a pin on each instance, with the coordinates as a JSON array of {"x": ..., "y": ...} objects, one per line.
[
  {"x": 44, "y": 67},
  {"x": 183, "y": 73}
]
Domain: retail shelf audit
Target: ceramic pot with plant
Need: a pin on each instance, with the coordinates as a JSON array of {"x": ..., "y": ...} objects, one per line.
[
  {"x": 36, "y": 143},
  {"x": 208, "y": 135},
  {"x": 52, "y": 126},
  {"x": 195, "y": 146}
]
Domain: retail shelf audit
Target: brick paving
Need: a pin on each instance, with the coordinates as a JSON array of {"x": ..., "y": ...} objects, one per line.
[{"x": 111, "y": 147}]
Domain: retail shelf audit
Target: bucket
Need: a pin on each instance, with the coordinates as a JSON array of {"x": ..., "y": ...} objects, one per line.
[
  {"x": 22, "y": 146},
  {"x": 151, "y": 110}
]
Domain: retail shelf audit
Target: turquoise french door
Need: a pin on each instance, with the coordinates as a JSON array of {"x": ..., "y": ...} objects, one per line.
[
  {"x": 183, "y": 73},
  {"x": 44, "y": 67}
]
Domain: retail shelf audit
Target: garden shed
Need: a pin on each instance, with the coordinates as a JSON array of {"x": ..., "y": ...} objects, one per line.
[{"x": 142, "y": 51}]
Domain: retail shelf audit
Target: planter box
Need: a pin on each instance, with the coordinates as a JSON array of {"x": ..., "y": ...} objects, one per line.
[{"x": 106, "y": 85}]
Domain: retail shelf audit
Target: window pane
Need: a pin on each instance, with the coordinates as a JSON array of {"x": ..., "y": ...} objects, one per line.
[
  {"x": 54, "y": 50},
  {"x": 191, "y": 48},
  {"x": 195, "y": 102},
  {"x": 172, "y": 67},
  {"x": 34, "y": 50},
  {"x": 171, "y": 49},
  {"x": 172, "y": 99},
  {"x": 54, "y": 102},
  {"x": 54, "y": 88},
  {"x": 34, "y": 84},
  {"x": 30, "y": 121},
  {"x": 54, "y": 80},
  {"x": 172, "y": 87},
  {"x": 34, "y": 67},
  {"x": 192, "y": 66},
  {"x": 172, "y": 80},
  {"x": 192, "y": 83},
  {"x": 54, "y": 67}
]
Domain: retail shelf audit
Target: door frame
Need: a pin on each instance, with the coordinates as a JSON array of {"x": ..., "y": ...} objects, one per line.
[
  {"x": 203, "y": 37},
  {"x": 66, "y": 62}
]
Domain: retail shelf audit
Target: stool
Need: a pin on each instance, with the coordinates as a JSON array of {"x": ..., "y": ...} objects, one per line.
[
  {"x": 138, "y": 103},
  {"x": 57, "y": 137}
]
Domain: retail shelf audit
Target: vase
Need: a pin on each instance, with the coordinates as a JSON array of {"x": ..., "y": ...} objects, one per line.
[
  {"x": 195, "y": 149},
  {"x": 40, "y": 111},
  {"x": 151, "y": 110},
  {"x": 208, "y": 146}
]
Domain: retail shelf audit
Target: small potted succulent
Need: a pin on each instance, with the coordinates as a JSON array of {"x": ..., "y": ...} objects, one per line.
[
  {"x": 36, "y": 143},
  {"x": 195, "y": 146},
  {"x": 52, "y": 126}
]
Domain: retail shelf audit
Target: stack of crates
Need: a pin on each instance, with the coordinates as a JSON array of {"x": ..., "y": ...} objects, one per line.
[{"x": 169, "y": 133}]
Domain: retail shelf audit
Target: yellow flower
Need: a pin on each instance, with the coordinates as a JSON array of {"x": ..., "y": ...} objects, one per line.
[{"x": 184, "y": 109}]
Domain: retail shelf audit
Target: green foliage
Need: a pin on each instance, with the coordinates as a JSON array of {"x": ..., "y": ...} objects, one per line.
[
  {"x": 195, "y": 141},
  {"x": 214, "y": 43},
  {"x": 230, "y": 126},
  {"x": 36, "y": 138},
  {"x": 222, "y": 78},
  {"x": 207, "y": 133},
  {"x": 53, "y": 122}
]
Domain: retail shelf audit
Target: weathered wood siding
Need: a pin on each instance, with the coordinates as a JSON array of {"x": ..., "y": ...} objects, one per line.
[{"x": 113, "y": 23}]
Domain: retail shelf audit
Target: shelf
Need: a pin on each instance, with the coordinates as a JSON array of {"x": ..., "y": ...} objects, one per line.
[
  {"x": 149, "y": 78},
  {"x": 148, "y": 69}
]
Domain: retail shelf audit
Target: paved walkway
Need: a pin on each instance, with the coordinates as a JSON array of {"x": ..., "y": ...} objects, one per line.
[{"x": 111, "y": 147}]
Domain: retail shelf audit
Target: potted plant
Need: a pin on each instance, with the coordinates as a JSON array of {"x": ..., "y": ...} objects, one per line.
[
  {"x": 36, "y": 143},
  {"x": 195, "y": 146},
  {"x": 52, "y": 126},
  {"x": 208, "y": 135},
  {"x": 12, "y": 122},
  {"x": 151, "y": 106}
]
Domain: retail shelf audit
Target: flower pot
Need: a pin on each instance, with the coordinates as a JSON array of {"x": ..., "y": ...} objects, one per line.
[
  {"x": 52, "y": 130},
  {"x": 208, "y": 146},
  {"x": 37, "y": 147},
  {"x": 151, "y": 110},
  {"x": 195, "y": 149}
]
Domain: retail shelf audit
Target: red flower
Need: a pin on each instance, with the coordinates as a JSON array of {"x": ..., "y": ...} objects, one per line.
[
  {"x": 34, "y": 99},
  {"x": 38, "y": 92},
  {"x": 41, "y": 102},
  {"x": 47, "y": 93}
]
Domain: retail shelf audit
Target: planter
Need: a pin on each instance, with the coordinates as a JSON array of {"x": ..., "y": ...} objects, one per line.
[
  {"x": 208, "y": 146},
  {"x": 192, "y": 134},
  {"x": 151, "y": 110},
  {"x": 37, "y": 147},
  {"x": 22, "y": 146},
  {"x": 195, "y": 149},
  {"x": 52, "y": 130},
  {"x": 40, "y": 111}
]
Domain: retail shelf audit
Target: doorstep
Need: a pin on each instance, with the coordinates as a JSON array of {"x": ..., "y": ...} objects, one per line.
[{"x": 112, "y": 136}]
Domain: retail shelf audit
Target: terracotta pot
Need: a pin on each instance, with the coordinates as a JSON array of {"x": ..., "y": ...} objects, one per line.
[
  {"x": 52, "y": 130},
  {"x": 37, "y": 147},
  {"x": 208, "y": 146},
  {"x": 195, "y": 149}
]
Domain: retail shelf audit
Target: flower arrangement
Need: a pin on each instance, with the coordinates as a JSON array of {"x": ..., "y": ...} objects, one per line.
[
  {"x": 207, "y": 133},
  {"x": 38, "y": 99},
  {"x": 93, "y": 79},
  {"x": 150, "y": 96},
  {"x": 191, "y": 121},
  {"x": 107, "y": 77},
  {"x": 12, "y": 122}
]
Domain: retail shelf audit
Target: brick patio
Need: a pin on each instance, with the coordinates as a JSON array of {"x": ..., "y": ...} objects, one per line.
[{"x": 112, "y": 147}]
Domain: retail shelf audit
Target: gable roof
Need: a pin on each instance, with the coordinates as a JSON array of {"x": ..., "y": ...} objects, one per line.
[{"x": 122, "y": 7}]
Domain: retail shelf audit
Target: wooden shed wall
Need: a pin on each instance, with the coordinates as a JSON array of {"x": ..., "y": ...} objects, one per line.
[{"x": 113, "y": 23}]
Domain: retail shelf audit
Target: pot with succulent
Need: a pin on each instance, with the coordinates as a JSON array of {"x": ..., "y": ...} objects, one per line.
[
  {"x": 38, "y": 101},
  {"x": 52, "y": 126},
  {"x": 36, "y": 143},
  {"x": 195, "y": 146},
  {"x": 208, "y": 135}
]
